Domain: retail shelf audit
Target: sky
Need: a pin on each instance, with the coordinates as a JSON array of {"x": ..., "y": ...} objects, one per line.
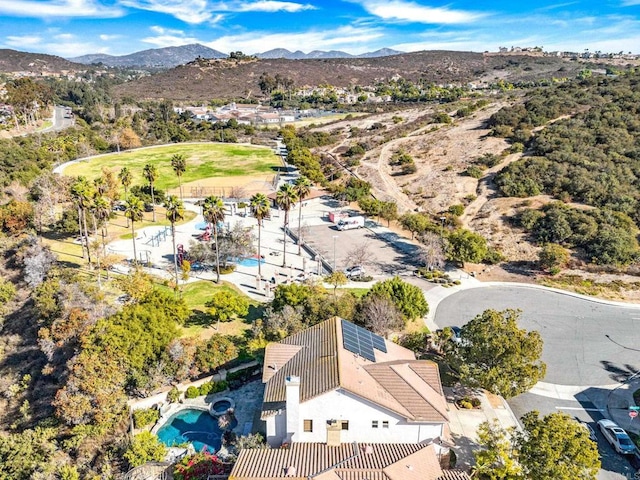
[{"x": 71, "y": 28}]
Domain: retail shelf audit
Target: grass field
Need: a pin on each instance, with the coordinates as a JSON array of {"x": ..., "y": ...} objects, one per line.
[
  {"x": 196, "y": 294},
  {"x": 204, "y": 160}
]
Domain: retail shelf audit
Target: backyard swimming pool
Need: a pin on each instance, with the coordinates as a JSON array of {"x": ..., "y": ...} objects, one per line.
[{"x": 192, "y": 426}]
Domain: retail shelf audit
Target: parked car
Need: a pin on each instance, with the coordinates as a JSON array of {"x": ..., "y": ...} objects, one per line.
[
  {"x": 617, "y": 437},
  {"x": 589, "y": 428},
  {"x": 355, "y": 271}
]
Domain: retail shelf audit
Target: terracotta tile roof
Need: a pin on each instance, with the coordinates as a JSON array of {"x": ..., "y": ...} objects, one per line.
[
  {"x": 275, "y": 356},
  {"x": 454, "y": 475},
  {"x": 419, "y": 398},
  {"x": 388, "y": 461},
  {"x": 315, "y": 364},
  {"x": 420, "y": 465},
  {"x": 396, "y": 380}
]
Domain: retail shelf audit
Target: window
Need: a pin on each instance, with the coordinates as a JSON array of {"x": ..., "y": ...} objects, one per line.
[
  {"x": 345, "y": 424},
  {"x": 385, "y": 424},
  {"x": 308, "y": 425},
  {"x": 374, "y": 424}
]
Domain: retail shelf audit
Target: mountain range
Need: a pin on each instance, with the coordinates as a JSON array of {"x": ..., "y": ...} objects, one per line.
[{"x": 170, "y": 57}]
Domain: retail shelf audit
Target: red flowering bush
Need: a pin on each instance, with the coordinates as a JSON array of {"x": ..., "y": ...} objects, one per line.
[{"x": 198, "y": 467}]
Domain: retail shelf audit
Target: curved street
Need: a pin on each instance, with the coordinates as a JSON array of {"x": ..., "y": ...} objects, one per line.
[{"x": 585, "y": 342}]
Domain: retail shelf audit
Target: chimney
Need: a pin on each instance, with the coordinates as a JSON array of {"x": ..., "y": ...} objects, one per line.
[{"x": 292, "y": 385}]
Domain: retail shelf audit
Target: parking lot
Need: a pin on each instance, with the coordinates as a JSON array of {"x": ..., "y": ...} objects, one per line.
[{"x": 383, "y": 252}]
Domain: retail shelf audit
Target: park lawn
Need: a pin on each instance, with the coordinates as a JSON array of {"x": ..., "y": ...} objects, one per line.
[
  {"x": 196, "y": 294},
  {"x": 204, "y": 160},
  {"x": 146, "y": 222}
]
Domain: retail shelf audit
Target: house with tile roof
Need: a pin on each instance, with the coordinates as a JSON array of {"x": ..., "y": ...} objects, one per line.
[
  {"x": 352, "y": 461},
  {"x": 336, "y": 383}
]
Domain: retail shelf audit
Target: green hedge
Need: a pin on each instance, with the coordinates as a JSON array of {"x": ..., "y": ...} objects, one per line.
[{"x": 144, "y": 417}]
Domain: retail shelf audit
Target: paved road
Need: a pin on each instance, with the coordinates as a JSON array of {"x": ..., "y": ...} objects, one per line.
[{"x": 585, "y": 343}]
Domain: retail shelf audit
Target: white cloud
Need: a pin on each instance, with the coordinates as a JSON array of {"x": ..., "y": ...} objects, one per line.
[
  {"x": 165, "y": 31},
  {"x": 399, "y": 10},
  {"x": 271, "y": 6},
  {"x": 58, "y": 8},
  {"x": 64, "y": 36},
  {"x": 62, "y": 48},
  {"x": 189, "y": 11},
  {"x": 108, "y": 38},
  {"x": 630, "y": 3},
  {"x": 22, "y": 40},
  {"x": 350, "y": 39}
]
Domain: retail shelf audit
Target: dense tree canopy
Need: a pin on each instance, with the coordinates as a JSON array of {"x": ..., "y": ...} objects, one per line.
[
  {"x": 556, "y": 447},
  {"x": 495, "y": 354}
]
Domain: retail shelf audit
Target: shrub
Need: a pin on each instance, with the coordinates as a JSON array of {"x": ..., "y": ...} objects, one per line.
[
  {"x": 144, "y": 417},
  {"x": 205, "y": 388},
  {"x": 474, "y": 171},
  {"x": 192, "y": 392},
  {"x": 456, "y": 210},
  {"x": 226, "y": 269},
  {"x": 220, "y": 386},
  {"x": 442, "y": 117},
  {"x": 173, "y": 395}
]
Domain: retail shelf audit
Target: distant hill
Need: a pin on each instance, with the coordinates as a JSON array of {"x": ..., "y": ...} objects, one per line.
[
  {"x": 168, "y": 57},
  {"x": 298, "y": 55},
  {"x": 205, "y": 79},
  {"x": 15, "y": 61}
]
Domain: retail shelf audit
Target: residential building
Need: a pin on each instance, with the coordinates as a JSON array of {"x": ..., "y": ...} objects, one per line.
[
  {"x": 303, "y": 461},
  {"x": 338, "y": 383}
]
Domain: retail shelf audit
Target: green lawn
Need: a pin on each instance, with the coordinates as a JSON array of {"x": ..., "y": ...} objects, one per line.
[
  {"x": 196, "y": 294},
  {"x": 204, "y": 160}
]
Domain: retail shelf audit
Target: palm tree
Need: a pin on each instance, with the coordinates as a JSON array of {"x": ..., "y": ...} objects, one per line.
[
  {"x": 82, "y": 193},
  {"x": 260, "y": 209},
  {"x": 150, "y": 173},
  {"x": 175, "y": 213},
  {"x": 133, "y": 208},
  {"x": 213, "y": 211},
  {"x": 125, "y": 178},
  {"x": 179, "y": 165},
  {"x": 286, "y": 197},
  {"x": 101, "y": 213},
  {"x": 302, "y": 187}
]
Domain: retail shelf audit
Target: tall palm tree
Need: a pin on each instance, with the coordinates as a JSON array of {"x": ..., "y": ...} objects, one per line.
[
  {"x": 175, "y": 213},
  {"x": 179, "y": 165},
  {"x": 286, "y": 197},
  {"x": 213, "y": 211},
  {"x": 125, "y": 178},
  {"x": 260, "y": 209},
  {"x": 302, "y": 187},
  {"x": 82, "y": 193},
  {"x": 101, "y": 212},
  {"x": 133, "y": 208},
  {"x": 150, "y": 173}
]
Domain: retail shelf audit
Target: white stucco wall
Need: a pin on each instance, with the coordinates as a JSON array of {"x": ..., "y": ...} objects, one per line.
[{"x": 340, "y": 405}]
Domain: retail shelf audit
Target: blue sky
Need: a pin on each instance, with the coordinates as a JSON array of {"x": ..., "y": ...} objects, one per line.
[{"x": 76, "y": 27}]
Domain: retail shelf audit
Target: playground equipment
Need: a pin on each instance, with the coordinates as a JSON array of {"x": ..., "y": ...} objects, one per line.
[{"x": 161, "y": 236}]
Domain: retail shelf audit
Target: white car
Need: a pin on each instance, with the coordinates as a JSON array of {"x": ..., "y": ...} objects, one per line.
[
  {"x": 355, "y": 271},
  {"x": 617, "y": 437}
]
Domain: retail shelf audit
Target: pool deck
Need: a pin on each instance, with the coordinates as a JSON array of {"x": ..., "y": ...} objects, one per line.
[{"x": 247, "y": 399}]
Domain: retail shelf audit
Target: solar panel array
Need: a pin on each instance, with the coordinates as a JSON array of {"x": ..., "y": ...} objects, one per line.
[{"x": 361, "y": 341}]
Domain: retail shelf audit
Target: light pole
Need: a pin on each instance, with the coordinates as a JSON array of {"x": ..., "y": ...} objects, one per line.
[{"x": 334, "y": 252}]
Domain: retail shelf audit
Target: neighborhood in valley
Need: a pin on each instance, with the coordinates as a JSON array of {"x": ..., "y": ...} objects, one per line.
[{"x": 400, "y": 263}]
